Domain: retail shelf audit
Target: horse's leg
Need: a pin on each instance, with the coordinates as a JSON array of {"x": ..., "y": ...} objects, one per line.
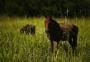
[
  {"x": 52, "y": 46},
  {"x": 57, "y": 46},
  {"x": 74, "y": 42},
  {"x": 74, "y": 37},
  {"x": 70, "y": 41}
]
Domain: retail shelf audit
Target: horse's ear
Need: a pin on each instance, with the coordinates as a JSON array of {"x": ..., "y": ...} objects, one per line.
[
  {"x": 48, "y": 16},
  {"x": 45, "y": 16}
]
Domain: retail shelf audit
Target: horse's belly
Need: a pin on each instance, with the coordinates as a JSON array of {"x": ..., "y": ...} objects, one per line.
[{"x": 65, "y": 36}]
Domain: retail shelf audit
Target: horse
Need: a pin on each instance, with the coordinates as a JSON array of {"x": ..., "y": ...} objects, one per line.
[
  {"x": 28, "y": 29},
  {"x": 61, "y": 32}
]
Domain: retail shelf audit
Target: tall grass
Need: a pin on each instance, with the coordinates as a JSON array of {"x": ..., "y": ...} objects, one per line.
[{"x": 17, "y": 47}]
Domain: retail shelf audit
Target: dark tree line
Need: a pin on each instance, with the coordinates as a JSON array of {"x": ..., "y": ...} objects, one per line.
[{"x": 45, "y": 7}]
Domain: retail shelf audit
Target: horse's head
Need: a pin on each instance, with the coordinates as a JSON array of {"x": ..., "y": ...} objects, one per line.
[{"x": 47, "y": 21}]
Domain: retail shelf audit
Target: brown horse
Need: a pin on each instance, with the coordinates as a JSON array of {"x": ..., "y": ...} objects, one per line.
[{"x": 57, "y": 32}]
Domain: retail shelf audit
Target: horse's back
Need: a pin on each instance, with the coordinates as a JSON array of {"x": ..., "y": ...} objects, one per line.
[
  {"x": 68, "y": 26},
  {"x": 68, "y": 29}
]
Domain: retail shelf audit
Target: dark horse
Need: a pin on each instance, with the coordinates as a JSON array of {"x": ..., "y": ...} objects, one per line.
[
  {"x": 57, "y": 32},
  {"x": 28, "y": 29}
]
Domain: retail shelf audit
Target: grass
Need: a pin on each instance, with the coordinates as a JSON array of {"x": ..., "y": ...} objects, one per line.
[{"x": 17, "y": 47}]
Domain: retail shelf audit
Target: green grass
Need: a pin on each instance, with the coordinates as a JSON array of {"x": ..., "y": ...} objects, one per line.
[{"x": 17, "y": 47}]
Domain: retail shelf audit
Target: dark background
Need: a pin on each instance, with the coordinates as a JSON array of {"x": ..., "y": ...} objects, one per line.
[{"x": 58, "y": 8}]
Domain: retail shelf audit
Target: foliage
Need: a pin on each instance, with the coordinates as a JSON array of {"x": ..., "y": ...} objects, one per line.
[{"x": 45, "y": 7}]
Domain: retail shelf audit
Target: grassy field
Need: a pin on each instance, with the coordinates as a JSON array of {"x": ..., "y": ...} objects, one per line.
[{"x": 17, "y": 47}]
